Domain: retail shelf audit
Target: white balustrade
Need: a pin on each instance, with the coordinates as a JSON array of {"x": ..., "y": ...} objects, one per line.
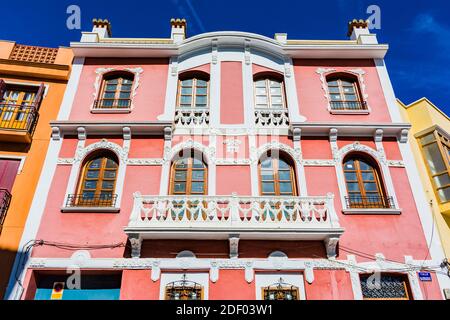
[
  {"x": 192, "y": 117},
  {"x": 272, "y": 117}
]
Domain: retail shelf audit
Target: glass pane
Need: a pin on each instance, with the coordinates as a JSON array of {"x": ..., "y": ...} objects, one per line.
[
  {"x": 88, "y": 195},
  {"x": 267, "y": 163},
  {"x": 350, "y": 176},
  {"x": 109, "y": 95},
  {"x": 427, "y": 139},
  {"x": 127, "y": 81},
  {"x": 284, "y": 175},
  {"x": 109, "y": 174},
  {"x": 277, "y": 100},
  {"x": 370, "y": 186},
  {"x": 349, "y": 165},
  {"x": 186, "y": 91},
  {"x": 364, "y": 166},
  {"x": 444, "y": 194},
  {"x": 349, "y": 90},
  {"x": 186, "y": 83},
  {"x": 90, "y": 184},
  {"x": 275, "y": 91},
  {"x": 198, "y": 175},
  {"x": 126, "y": 87},
  {"x": 346, "y": 83},
  {"x": 268, "y": 187},
  {"x": 180, "y": 175},
  {"x": 261, "y": 100},
  {"x": 261, "y": 91},
  {"x": 197, "y": 187},
  {"x": 333, "y": 83},
  {"x": 434, "y": 158},
  {"x": 95, "y": 164},
  {"x": 112, "y": 81},
  {"x": 201, "y": 100},
  {"x": 180, "y": 187},
  {"x": 442, "y": 180},
  {"x": 283, "y": 165},
  {"x": 203, "y": 91},
  {"x": 275, "y": 84},
  {"x": 186, "y": 99},
  {"x": 125, "y": 95},
  {"x": 335, "y": 97},
  {"x": 350, "y": 97},
  {"x": 108, "y": 185},
  {"x": 111, "y": 164},
  {"x": 352, "y": 187},
  {"x": 106, "y": 195},
  {"x": 368, "y": 176},
  {"x": 267, "y": 175},
  {"x": 197, "y": 163},
  {"x": 285, "y": 187},
  {"x": 333, "y": 89},
  {"x": 93, "y": 174},
  {"x": 260, "y": 84},
  {"x": 182, "y": 163},
  {"x": 202, "y": 83}
]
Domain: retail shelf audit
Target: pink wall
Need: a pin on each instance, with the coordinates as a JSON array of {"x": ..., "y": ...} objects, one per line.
[
  {"x": 231, "y": 96},
  {"x": 329, "y": 285},
  {"x": 232, "y": 286},
  {"x": 312, "y": 102},
  {"x": 233, "y": 179},
  {"x": 138, "y": 285},
  {"x": 150, "y": 95}
]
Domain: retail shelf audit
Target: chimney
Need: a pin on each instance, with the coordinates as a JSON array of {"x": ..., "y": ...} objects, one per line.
[
  {"x": 179, "y": 30},
  {"x": 359, "y": 30},
  {"x": 101, "y": 30}
]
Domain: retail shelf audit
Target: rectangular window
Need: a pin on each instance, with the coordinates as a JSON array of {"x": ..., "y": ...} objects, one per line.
[
  {"x": 436, "y": 152},
  {"x": 385, "y": 287}
]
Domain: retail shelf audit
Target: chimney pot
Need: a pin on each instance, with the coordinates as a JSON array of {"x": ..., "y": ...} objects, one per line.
[
  {"x": 179, "y": 29},
  {"x": 102, "y": 27}
]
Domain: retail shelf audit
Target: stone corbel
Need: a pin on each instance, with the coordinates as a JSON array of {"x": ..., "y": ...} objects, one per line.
[
  {"x": 234, "y": 246},
  {"x": 81, "y": 133},
  {"x": 247, "y": 52},
  {"x": 214, "y": 272},
  {"x": 249, "y": 274},
  {"x": 136, "y": 244},
  {"x": 168, "y": 133},
  {"x": 126, "y": 133},
  {"x": 156, "y": 271},
  {"x": 215, "y": 50},
  {"x": 333, "y": 134},
  {"x": 56, "y": 134},
  {"x": 403, "y": 136},
  {"x": 331, "y": 247},
  {"x": 378, "y": 135},
  {"x": 297, "y": 134},
  {"x": 309, "y": 272}
]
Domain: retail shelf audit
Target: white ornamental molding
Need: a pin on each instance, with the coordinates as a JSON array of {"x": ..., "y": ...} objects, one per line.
[
  {"x": 319, "y": 163},
  {"x": 339, "y": 154},
  {"x": 362, "y": 84},
  {"x": 145, "y": 162},
  {"x": 66, "y": 161},
  {"x": 322, "y": 72},
  {"x": 82, "y": 152},
  {"x": 209, "y": 153},
  {"x": 233, "y": 145},
  {"x": 233, "y": 162},
  {"x": 102, "y": 71},
  {"x": 296, "y": 153},
  {"x": 396, "y": 163}
]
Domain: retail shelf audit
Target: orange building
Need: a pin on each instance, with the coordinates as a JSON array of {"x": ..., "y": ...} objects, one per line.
[{"x": 32, "y": 85}]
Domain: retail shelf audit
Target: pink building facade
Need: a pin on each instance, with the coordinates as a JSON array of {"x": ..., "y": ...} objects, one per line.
[{"x": 229, "y": 165}]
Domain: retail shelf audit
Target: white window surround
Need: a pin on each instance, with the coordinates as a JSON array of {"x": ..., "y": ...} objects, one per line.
[
  {"x": 359, "y": 73},
  {"x": 380, "y": 158},
  {"x": 263, "y": 280},
  {"x": 200, "y": 278},
  {"x": 81, "y": 154},
  {"x": 101, "y": 72}
]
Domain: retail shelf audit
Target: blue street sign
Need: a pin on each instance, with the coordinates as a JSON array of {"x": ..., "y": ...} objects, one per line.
[{"x": 425, "y": 276}]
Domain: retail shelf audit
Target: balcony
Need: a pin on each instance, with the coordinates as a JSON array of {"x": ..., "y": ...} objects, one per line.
[
  {"x": 112, "y": 106},
  {"x": 5, "y": 200},
  {"x": 272, "y": 118},
  {"x": 187, "y": 117},
  {"x": 17, "y": 122},
  {"x": 234, "y": 217},
  {"x": 349, "y": 106},
  {"x": 91, "y": 203}
]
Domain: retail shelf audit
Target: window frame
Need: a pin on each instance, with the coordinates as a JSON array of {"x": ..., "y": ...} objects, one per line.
[
  {"x": 194, "y": 78},
  {"x": 267, "y": 80},
  {"x": 276, "y": 179},
  {"x": 120, "y": 76},
  {"x": 406, "y": 284},
  {"x": 83, "y": 177},
  {"x": 189, "y": 169},
  {"x": 437, "y": 133},
  {"x": 357, "y": 88},
  {"x": 378, "y": 179}
]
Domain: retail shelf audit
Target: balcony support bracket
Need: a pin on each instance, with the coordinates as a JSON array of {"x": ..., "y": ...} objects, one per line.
[
  {"x": 331, "y": 247},
  {"x": 234, "y": 246},
  {"x": 136, "y": 244}
]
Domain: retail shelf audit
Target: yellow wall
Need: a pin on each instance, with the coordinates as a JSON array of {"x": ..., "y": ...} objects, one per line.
[
  {"x": 423, "y": 115},
  {"x": 55, "y": 76}
]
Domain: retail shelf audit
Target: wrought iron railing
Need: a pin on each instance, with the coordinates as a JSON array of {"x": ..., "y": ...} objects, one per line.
[
  {"x": 271, "y": 117},
  {"x": 370, "y": 202},
  {"x": 18, "y": 117},
  {"x": 89, "y": 200},
  {"x": 348, "y": 105},
  {"x": 112, "y": 104},
  {"x": 192, "y": 116},
  {"x": 5, "y": 200}
]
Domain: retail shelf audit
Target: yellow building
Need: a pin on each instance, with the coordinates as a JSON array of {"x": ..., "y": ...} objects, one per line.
[
  {"x": 32, "y": 84},
  {"x": 430, "y": 142}
]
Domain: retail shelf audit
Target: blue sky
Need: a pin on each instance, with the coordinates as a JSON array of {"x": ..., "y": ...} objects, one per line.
[{"x": 418, "y": 32}]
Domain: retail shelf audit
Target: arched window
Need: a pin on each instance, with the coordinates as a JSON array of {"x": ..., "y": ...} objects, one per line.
[
  {"x": 277, "y": 176},
  {"x": 364, "y": 185},
  {"x": 189, "y": 175},
  {"x": 98, "y": 181},
  {"x": 115, "y": 91},
  {"x": 345, "y": 93},
  {"x": 269, "y": 93},
  {"x": 193, "y": 91}
]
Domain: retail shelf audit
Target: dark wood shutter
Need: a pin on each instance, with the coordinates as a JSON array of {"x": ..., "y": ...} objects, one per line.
[
  {"x": 39, "y": 96},
  {"x": 8, "y": 173},
  {"x": 2, "y": 89}
]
